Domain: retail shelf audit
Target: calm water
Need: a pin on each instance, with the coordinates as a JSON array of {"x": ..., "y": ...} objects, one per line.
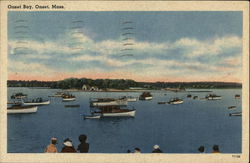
[{"x": 176, "y": 128}]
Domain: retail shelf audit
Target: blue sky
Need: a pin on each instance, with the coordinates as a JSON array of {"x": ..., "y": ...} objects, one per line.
[{"x": 150, "y": 46}]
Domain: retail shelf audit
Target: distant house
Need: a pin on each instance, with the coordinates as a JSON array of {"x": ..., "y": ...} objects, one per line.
[
  {"x": 85, "y": 87},
  {"x": 93, "y": 88}
]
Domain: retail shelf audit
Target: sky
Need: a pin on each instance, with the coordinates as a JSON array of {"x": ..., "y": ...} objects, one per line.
[{"x": 164, "y": 46}]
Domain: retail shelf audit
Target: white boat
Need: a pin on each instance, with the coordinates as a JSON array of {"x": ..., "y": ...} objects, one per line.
[
  {"x": 37, "y": 103},
  {"x": 175, "y": 101},
  {"x": 69, "y": 99},
  {"x": 130, "y": 98},
  {"x": 120, "y": 114},
  {"x": 146, "y": 96},
  {"x": 108, "y": 101},
  {"x": 92, "y": 116},
  {"x": 213, "y": 97},
  {"x": 235, "y": 114},
  {"x": 21, "y": 109},
  {"x": 116, "y": 111}
]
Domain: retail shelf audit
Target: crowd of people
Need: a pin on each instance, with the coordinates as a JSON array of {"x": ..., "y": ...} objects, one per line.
[
  {"x": 83, "y": 147},
  {"x": 68, "y": 147}
]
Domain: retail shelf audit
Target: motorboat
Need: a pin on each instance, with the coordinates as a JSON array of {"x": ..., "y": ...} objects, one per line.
[
  {"x": 68, "y": 97},
  {"x": 130, "y": 98},
  {"x": 146, "y": 96},
  {"x": 115, "y": 111},
  {"x": 19, "y": 95},
  {"x": 189, "y": 96},
  {"x": 213, "y": 97},
  {"x": 195, "y": 97},
  {"x": 237, "y": 96},
  {"x": 18, "y": 109},
  {"x": 175, "y": 101},
  {"x": 36, "y": 102},
  {"x": 95, "y": 102},
  {"x": 235, "y": 114},
  {"x": 58, "y": 94},
  {"x": 231, "y": 107}
]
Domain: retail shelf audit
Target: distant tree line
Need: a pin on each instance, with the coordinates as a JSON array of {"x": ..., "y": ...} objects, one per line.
[{"x": 75, "y": 83}]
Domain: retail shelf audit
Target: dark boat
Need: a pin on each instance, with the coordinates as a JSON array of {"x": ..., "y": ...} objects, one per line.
[
  {"x": 72, "y": 106},
  {"x": 19, "y": 95},
  {"x": 237, "y": 96},
  {"x": 235, "y": 114},
  {"x": 146, "y": 96},
  {"x": 231, "y": 107}
]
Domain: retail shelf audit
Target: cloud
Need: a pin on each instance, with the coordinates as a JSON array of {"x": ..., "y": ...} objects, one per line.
[{"x": 75, "y": 51}]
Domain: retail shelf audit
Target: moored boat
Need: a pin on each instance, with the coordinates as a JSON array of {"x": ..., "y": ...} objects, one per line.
[
  {"x": 58, "y": 94},
  {"x": 116, "y": 111},
  {"x": 189, "y": 96},
  {"x": 237, "y": 96},
  {"x": 235, "y": 114},
  {"x": 146, "y": 96},
  {"x": 68, "y": 97},
  {"x": 213, "y": 97},
  {"x": 175, "y": 101},
  {"x": 19, "y": 95},
  {"x": 92, "y": 116},
  {"x": 36, "y": 102},
  {"x": 72, "y": 106},
  {"x": 108, "y": 101},
  {"x": 195, "y": 97},
  {"x": 130, "y": 98},
  {"x": 231, "y": 107},
  {"x": 162, "y": 102},
  {"x": 21, "y": 109}
]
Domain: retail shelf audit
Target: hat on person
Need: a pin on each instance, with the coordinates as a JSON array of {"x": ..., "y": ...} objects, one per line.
[
  {"x": 53, "y": 140},
  {"x": 156, "y": 146},
  {"x": 68, "y": 142}
]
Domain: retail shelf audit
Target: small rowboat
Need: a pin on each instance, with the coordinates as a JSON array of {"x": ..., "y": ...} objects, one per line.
[
  {"x": 21, "y": 109},
  {"x": 231, "y": 107},
  {"x": 235, "y": 114},
  {"x": 68, "y": 99},
  {"x": 162, "y": 102},
  {"x": 92, "y": 116},
  {"x": 72, "y": 106},
  {"x": 175, "y": 101}
]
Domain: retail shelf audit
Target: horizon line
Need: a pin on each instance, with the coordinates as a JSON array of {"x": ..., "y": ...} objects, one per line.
[{"x": 129, "y": 79}]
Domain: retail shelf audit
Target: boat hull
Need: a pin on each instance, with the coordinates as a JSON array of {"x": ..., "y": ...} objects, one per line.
[
  {"x": 214, "y": 98},
  {"x": 121, "y": 114},
  {"x": 107, "y": 103},
  {"x": 176, "y": 102},
  {"x": 36, "y": 103},
  {"x": 131, "y": 99},
  {"x": 92, "y": 117},
  {"x": 146, "y": 98},
  {"x": 22, "y": 110},
  {"x": 68, "y": 99}
]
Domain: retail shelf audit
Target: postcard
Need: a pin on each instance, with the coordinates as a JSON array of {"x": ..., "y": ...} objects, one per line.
[{"x": 124, "y": 81}]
